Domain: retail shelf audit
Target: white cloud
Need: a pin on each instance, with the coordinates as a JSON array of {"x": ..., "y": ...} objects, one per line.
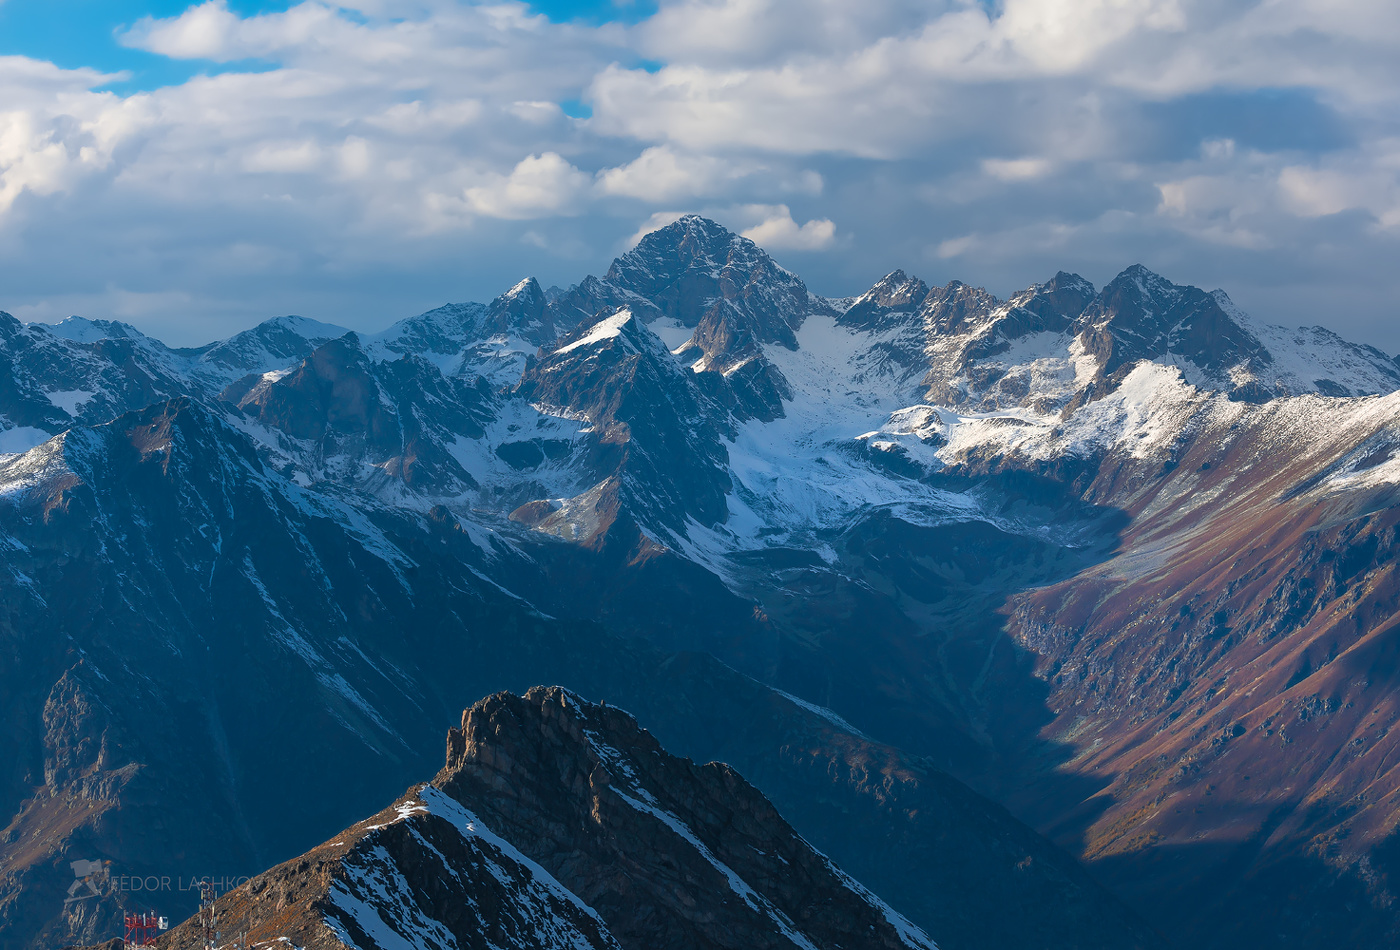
[
  {"x": 55, "y": 133},
  {"x": 419, "y": 119},
  {"x": 211, "y": 31},
  {"x": 777, "y": 231},
  {"x": 955, "y": 247},
  {"x": 539, "y": 186},
  {"x": 662, "y": 174},
  {"x": 380, "y": 144},
  {"x": 303, "y": 156},
  {"x": 201, "y": 32},
  {"x": 884, "y": 95},
  {"x": 537, "y": 112}
]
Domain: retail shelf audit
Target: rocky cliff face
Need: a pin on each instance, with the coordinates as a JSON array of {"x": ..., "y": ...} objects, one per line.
[{"x": 557, "y": 822}]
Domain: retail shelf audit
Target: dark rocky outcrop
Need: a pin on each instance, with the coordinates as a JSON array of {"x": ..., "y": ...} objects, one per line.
[{"x": 561, "y": 822}]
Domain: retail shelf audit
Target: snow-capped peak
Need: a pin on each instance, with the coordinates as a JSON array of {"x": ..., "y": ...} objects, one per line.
[{"x": 82, "y": 330}]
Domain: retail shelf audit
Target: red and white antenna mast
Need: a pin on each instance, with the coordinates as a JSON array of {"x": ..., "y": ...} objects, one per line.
[{"x": 142, "y": 929}]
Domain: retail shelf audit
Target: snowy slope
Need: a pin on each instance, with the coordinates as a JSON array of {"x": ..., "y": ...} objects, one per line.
[
  {"x": 812, "y": 411},
  {"x": 465, "y": 882}
]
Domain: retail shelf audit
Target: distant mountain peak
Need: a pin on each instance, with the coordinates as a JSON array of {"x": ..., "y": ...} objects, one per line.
[
  {"x": 693, "y": 245},
  {"x": 272, "y": 344},
  {"x": 1148, "y": 283},
  {"x": 892, "y": 298},
  {"x": 82, "y": 330},
  {"x": 897, "y": 289},
  {"x": 524, "y": 312},
  {"x": 526, "y": 286},
  {"x": 1064, "y": 280}
]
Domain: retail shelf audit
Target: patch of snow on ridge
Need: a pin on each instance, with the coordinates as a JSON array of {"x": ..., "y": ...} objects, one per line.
[
  {"x": 1150, "y": 409},
  {"x": 1375, "y": 461},
  {"x": 46, "y": 461},
  {"x": 799, "y": 470},
  {"x": 909, "y": 935},
  {"x": 672, "y": 332},
  {"x": 499, "y": 360},
  {"x": 384, "y": 910},
  {"x": 518, "y": 421},
  {"x": 78, "y": 330},
  {"x": 827, "y": 714},
  {"x": 604, "y": 329},
  {"x": 852, "y": 441},
  {"x": 469, "y": 826},
  {"x": 374, "y": 896}
]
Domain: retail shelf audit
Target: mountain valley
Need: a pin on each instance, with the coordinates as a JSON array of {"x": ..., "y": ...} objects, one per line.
[{"x": 1067, "y": 620}]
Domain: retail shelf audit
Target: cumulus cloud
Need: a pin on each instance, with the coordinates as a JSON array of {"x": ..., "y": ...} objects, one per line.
[
  {"x": 357, "y": 159},
  {"x": 777, "y": 231},
  {"x": 661, "y": 173},
  {"x": 539, "y": 186},
  {"x": 203, "y": 32},
  {"x": 309, "y": 29}
]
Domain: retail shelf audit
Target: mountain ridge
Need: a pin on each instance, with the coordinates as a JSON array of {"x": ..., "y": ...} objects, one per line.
[
  {"x": 590, "y": 834},
  {"x": 900, "y": 507}
]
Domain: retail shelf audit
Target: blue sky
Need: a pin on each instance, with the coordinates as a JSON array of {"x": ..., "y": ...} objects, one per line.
[
  {"x": 362, "y": 160},
  {"x": 75, "y": 33}
]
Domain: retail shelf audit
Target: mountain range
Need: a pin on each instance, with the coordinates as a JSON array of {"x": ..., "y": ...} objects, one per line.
[{"x": 1066, "y": 620}]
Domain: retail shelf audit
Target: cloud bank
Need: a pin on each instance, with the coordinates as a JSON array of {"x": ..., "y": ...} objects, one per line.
[{"x": 359, "y": 161}]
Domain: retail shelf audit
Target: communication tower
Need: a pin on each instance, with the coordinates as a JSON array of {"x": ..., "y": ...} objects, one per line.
[
  {"x": 142, "y": 929},
  {"x": 208, "y": 919}
]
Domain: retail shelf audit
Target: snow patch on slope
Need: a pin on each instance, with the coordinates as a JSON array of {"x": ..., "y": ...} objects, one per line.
[
  {"x": 827, "y": 714},
  {"x": 604, "y": 329},
  {"x": 444, "y": 806},
  {"x": 70, "y": 400},
  {"x": 376, "y": 897}
]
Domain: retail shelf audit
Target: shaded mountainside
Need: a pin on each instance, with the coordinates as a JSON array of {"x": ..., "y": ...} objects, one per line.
[
  {"x": 557, "y": 822},
  {"x": 188, "y": 618},
  {"x": 1099, "y": 553}
]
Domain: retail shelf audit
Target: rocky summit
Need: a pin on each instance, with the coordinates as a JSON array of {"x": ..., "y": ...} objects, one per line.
[
  {"x": 561, "y": 823},
  {"x": 1062, "y": 620}
]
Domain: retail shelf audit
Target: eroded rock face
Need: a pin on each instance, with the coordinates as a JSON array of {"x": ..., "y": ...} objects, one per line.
[
  {"x": 658, "y": 454},
  {"x": 561, "y": 823}
]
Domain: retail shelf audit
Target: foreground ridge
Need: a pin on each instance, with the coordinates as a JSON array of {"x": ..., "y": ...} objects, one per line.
[{"x": 560, "y": 823}]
